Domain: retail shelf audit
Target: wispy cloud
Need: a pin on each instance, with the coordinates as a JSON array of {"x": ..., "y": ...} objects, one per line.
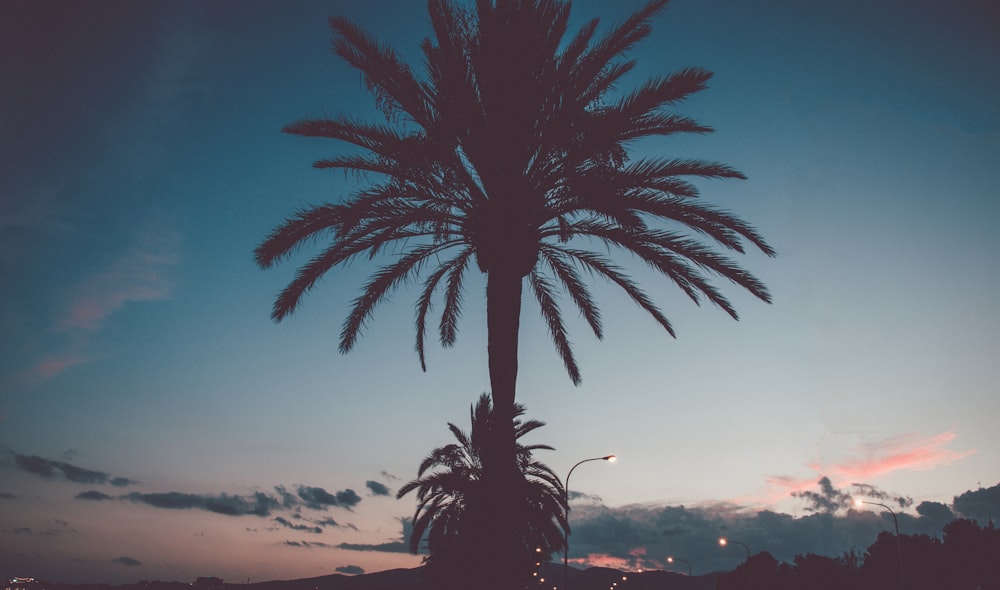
[
  {"x": 308, "y": 528},
  {"x": 306, "y": 544},
  {"x": 259, "y": 504},
  {"x": 398, "y": 545},
  {"x": 53, "y": 469},
  {"x": 908, "y": 452},
  {"x": 140, "y": 274},
  {"x": 870, "y": 460},
  {"x": 319, "y": 499}
]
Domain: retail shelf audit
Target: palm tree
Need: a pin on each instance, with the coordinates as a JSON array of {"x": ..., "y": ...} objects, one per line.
[
  {"x": 511, "y": 153},
  {"x": 451, "y": 499}
]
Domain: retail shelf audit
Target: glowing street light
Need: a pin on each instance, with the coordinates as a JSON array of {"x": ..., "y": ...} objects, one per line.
[
  {"x": 899, "y": 548},
  {"x": 609, "y": 459},
  {"x": 724, "y": 541},
  {"x": 671, "y": 559}
]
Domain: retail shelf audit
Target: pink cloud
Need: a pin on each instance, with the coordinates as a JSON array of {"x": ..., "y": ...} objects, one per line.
[
  {"x": 602, "y": 560},
  {"x": 52, "y": 366},
  {"x": 138, "y": 276},
  {"x": 906, "y": 452}
]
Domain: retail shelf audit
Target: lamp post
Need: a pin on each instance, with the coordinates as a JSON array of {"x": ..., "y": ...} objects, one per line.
[
  {"x": 671, "y": 559},
  {"x": 609, "y": 459},
  {"x": 724, "y": 541},
  {"x": 895, "y": 523}
]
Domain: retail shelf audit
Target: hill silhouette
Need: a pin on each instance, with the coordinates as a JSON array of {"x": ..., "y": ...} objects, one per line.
[{"x": 595, "y": 578}]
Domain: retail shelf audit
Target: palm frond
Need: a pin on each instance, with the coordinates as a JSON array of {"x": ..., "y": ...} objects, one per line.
[{"x": 545, "y": 295}]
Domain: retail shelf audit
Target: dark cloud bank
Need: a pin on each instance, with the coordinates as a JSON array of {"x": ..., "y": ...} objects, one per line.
[
  {"x": 644, "y": 536},
  {"x": 52, "y": 469},
  {"x": 261, "y": 504}
]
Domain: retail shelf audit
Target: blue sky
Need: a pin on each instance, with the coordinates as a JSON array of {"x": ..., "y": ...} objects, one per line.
[{"x": 142, "y": 162}]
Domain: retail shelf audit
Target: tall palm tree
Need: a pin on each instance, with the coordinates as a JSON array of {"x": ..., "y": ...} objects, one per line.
[
  {"x": 451, "y": 498},
  {"x": 510, "y": 155}
]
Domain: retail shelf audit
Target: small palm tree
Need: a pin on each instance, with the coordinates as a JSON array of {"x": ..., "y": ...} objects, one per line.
[{"x": 452, "y": 509}]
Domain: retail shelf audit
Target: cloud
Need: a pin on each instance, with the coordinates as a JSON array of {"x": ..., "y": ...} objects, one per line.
[
  {"x": 401, "y": 545},
  {"x": 129, "y": 561},
  {"x": 377, "y": 489},
  {"x": 7, "y": 496},
  {"x": 319, "y": 499},
  {"x": 298, "y": 527},
  {"x": 53, "y": 469},
  {"x": 981, "y": 504},
  {"x": 140, "y": 274},
  {"x": 306, "y": 544},
  {"x": 352, "y": 570},
  {"x": 387, "y": 547},
  {"x": 259, "y": 504},
  {"x": 642, "y": 536},
  {"x": 935, "y": 512},
  {"x": 908, "y": 452},
  {"x": 92, "y": 495},
  {"x": 828, "y": 499}
]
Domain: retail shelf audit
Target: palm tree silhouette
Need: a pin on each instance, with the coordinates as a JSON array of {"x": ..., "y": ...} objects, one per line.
[
  {"x": 451, "y": 500},
  {"x": 510, "y": 155}
]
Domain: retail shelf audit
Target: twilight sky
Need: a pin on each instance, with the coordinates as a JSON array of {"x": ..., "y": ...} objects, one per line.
[{"x": 155, "y": 424}]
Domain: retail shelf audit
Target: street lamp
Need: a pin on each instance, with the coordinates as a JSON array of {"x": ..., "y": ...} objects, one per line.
[
  {"x": 684, "y": 561},
  {"x": 895, "y": 523},
  {"x": 609, "y": 459},
  {"x": 724, "y": 541}
]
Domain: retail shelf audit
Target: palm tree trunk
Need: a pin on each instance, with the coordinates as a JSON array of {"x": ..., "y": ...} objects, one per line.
[{"x": 503, "y": 312}]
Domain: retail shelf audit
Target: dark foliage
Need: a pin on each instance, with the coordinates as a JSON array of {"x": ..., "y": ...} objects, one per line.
[
  {"x": 968, "y": 558},
  {"x": 452, "y": 503}
]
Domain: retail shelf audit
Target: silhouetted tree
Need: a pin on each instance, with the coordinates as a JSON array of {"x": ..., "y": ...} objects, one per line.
[
  {"x": 760, "y": 571},
  {"x": 510, "y": 153},
  {"x": 819, "y": 572},
  {"x": 451, "y": 498},
  {"x": 971, "y": 555}
]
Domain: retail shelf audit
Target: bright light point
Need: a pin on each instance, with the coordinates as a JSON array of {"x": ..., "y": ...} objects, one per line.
[
  {"x": 535, "y": 574},
  {"x": 538, "y": 549},
  {"x": 858, "y": 502},
  {"x": 670, "y": 560},
  {"x": 722, "y": 542},
  {"x": 611, "y": 458}
]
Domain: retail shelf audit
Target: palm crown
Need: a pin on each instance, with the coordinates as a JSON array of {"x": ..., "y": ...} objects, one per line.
[{"x": 511, "y": 153}]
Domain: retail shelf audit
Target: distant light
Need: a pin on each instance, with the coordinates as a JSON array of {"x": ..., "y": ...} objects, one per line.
[
  {"x": 611, "y": 458},
  {"x": 858, "y": 502},
  {"x": 722, "y": 541},
  {"x": 670, "y": 560}
]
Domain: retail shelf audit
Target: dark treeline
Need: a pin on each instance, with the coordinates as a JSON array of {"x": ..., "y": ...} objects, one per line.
[{"x": 966, "y": 558}]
